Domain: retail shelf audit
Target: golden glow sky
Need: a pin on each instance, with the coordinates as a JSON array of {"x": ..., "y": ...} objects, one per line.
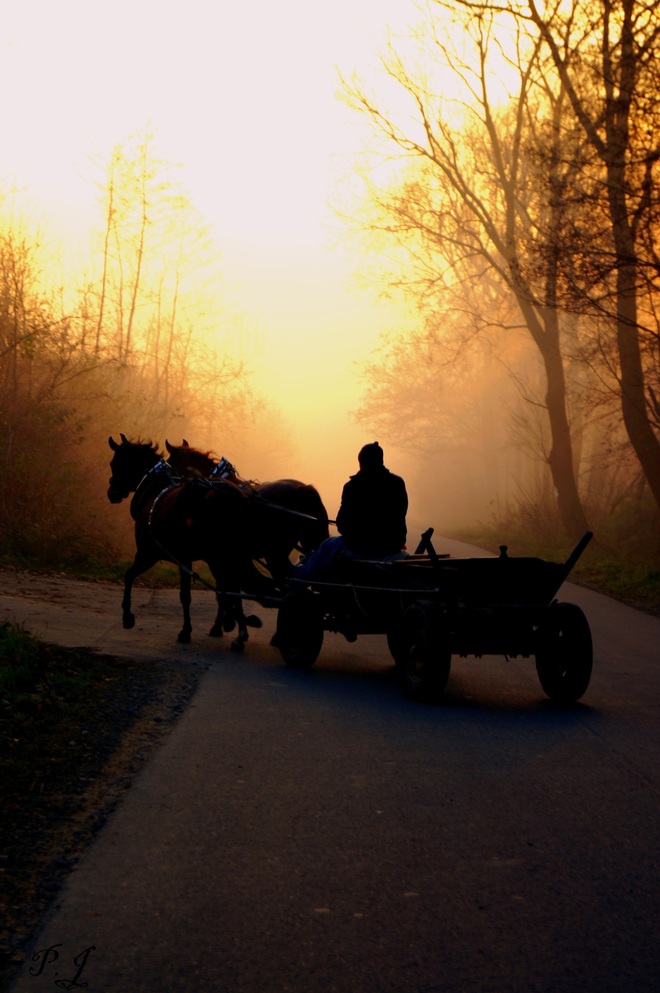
[{"x": 243, "y": 95}]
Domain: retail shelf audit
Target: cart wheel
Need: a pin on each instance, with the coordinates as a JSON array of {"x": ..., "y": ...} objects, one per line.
[
  {"x": 300, "y": 629},
  {"x": 565, "y": 660},
  {"x": 393, "y": 636},
  {"x": 422, "y": 659}
]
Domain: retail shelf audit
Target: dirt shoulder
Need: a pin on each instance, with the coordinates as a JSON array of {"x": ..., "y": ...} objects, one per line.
[{"x": 73, "y": 759}]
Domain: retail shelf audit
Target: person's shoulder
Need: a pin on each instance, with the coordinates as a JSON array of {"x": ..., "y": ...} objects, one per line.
[
  {"x": 349, "y": 486},
  {"x": 399, "y": 480}
]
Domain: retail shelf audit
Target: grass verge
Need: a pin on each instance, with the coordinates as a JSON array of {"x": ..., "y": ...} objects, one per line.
[{"x": 74, "y": 729}]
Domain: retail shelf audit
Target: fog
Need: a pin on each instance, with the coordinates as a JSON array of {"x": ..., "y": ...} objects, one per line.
[{"x": 185, "y": 276}]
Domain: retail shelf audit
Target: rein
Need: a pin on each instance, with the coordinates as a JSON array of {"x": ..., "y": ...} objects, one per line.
[
  {"x": 225, "y": 472},
  {"x": 285, "y": 510}
]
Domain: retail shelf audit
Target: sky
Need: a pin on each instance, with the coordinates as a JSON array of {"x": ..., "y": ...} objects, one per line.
[{"x": 244, "y": 97}]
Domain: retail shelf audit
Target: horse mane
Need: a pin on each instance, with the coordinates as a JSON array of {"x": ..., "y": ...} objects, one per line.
[
  {"x": 153, "y": 445},
  {"x": 138, "y": 443},
  {"x": 196, "y": 459},
  {"x": 197, "y": 453}
]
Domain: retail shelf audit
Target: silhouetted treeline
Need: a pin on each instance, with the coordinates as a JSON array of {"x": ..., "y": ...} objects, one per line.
[
  {"x": 526, "y": 203},
  {"x": 137, "y": 345}
]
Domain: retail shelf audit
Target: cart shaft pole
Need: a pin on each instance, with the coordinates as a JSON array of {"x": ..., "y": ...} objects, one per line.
[{"x": 577, "y": 551}]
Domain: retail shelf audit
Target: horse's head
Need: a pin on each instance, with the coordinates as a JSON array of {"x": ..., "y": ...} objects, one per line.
[{"x": 131, "y": 460}]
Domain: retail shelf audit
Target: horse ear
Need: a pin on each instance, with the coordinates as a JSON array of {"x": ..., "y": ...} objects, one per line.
[
  {"x": 113, "y": 444},
  {"x": 185, "y": 444},
  {"x": 168, "y": 446},
  {"x": 123, "y": 438}
]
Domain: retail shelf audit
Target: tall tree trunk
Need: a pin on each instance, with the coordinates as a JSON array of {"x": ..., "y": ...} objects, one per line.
[
  {"x": 616, "y": 155},
  {"x": 560, "y": 457},
  {"x": 633, "y": 394},
  {"x": 622, "y": 60}
]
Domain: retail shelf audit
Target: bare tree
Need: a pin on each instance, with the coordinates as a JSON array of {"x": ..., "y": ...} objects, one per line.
[
  {"x": 606, "y": 55},
  {"x": 475, "y": 204},
  {"x": 139, "y": 348},
  {"x": 627, "y": 34}
]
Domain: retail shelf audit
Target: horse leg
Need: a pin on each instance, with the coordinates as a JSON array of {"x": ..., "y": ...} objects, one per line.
[
  {"x": 218, "y": 628},
  {"x": 128, "y": 617},
  {"x": 185, "y": 598},
  {"x": 225, "y": 619},
  {"x": 244, "y": 622},
  {"x": 141, "y": 563},
  {"x": 238, "y": 644},
  {"x": 229, "y": 614},
  {"x": 230, "y": 611}
]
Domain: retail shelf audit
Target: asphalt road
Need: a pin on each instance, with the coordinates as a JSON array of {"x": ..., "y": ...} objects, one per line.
[{"x": 315, "y": 832}]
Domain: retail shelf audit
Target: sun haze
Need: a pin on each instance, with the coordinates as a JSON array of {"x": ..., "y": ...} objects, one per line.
[{"x": 243, "y": 96}]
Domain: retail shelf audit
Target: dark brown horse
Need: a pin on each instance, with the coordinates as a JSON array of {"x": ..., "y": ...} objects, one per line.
[
  {"x": 183, "y": 520},
  {"x": 289, "y": 514}
]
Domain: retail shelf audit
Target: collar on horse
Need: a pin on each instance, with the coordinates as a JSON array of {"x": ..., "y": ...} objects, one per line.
[
  {"x": 155, "y": 474},
  {"x": 224, "y": 470}
]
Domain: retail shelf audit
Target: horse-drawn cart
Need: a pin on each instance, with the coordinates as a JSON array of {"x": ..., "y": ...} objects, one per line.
[{"x": 431, "y": 607}]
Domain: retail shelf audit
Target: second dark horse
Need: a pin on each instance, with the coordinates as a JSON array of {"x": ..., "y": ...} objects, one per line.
[{"x": 288, "y": 513}]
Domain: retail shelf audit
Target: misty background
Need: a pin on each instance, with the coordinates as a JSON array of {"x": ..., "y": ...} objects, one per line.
[{"x": 452, "y": 248}]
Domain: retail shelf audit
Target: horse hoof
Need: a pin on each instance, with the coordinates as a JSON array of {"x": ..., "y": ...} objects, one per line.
[
  {"x": 216, "y": 631},
  {"x": 129, "y": 622},
  {"x": 253, "y": 621},
  {"x": 237, "y": 645},
  {"x": 183, "y": 637}
]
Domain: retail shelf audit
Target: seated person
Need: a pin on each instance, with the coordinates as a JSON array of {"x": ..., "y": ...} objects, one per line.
[{"x": 371, "y": 519}]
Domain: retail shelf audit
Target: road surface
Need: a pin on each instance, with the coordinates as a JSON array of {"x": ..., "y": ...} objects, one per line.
[{"x": 315, "y": 832}]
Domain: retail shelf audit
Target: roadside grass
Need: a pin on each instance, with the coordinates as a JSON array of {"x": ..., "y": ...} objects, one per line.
[
  {"x": 48, "y": 698},
  {"x": 74, "y": 727}
]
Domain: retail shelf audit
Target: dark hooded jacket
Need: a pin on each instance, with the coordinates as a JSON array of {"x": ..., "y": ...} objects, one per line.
[{"x": 372, "y": 515}]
